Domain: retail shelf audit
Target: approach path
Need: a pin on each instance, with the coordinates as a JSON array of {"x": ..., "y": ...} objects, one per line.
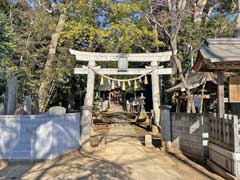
[{"x": 121, "y": 157}]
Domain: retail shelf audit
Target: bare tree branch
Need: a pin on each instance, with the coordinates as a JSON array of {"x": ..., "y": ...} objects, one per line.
[{"x": 41, "y": 4}]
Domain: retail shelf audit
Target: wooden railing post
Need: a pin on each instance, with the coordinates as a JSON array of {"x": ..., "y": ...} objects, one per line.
[
  {"x": 236, "y": 133},
  {"x": 220, "y": 93}
]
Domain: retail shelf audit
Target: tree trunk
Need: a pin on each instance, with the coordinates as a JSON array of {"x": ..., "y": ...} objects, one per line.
[
  {"x": 210, "y": 11},
  {"x": 175, "y": 6},
  {"x": 179, "y": 68},
  {"x": 202, "y": 98},
  {"x": 198, "y": 12},
  {"x": 189, "y": 107},
  {"x": 237, "y": 20},
  {"x": 47, "y": 81}
]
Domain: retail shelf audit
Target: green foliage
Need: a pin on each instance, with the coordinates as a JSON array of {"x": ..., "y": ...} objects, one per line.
[
  {"x": 33, "y": 28},
  {"x": 7, "y": 44},
  {"x": 97, "y": 26},
  {"x": 106, "y": 26},
  {"x": 111, "y": 27},
  {"x": 7, "y": 47}
]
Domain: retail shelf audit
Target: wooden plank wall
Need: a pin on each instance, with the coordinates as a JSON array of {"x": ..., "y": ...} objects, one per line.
[{"x": 234, "y": 89}]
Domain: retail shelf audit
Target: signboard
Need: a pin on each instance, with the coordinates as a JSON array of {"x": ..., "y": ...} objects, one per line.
[
  {"x": 122, "y": 63},
  {"x": 234, "y": 89}
]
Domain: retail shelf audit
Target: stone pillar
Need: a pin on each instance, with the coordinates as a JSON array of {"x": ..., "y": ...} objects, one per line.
[
  {"x": 27, "y": 105},
  {"x": 5, "y": 102},
  {"x": 11, "y": 95},
  {"x": 88, "y": 101},
  {"x": 156, "y": 93},
  {"x": 35, "y": 109},
  {"x": 220, "y": 93},
  {"x": 2, "y": 111},
  {"x": 85, "y": 124},
  {"x": 86, "y": 117},
  {"x": 166, "y": 123}
]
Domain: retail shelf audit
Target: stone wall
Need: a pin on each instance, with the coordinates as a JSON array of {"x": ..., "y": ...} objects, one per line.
[
  {"x": 190, "y": 134},
  {"x": 38, "y": 136}
]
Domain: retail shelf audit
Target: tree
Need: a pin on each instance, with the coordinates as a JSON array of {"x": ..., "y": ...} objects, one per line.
[
  {"x": 170, "y": 21},
  {"x": 7, "y": 44},
  {"x": 110, "y": 26},
  {"x": 178, "y": 20},
  {"x": 237, "y": 21},
  {"x": 32, "y": 28},
  {"x": 44, "y": 33},
  {"x": 199, "y": 6},
  {"x": 47, "y": 83},
  {"x": 7, "y": 48}
]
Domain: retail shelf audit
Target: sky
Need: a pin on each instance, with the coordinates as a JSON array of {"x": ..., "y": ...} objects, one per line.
[{"x": 34, "y": 3}]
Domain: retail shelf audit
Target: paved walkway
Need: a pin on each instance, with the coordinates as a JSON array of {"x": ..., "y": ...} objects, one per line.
[{"x": 120, "y": 155}]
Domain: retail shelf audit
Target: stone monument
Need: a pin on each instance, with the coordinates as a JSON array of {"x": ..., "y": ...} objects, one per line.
[
  {"x": 2, "y": 111},
  {"x": 57, "y": 110},
  {"x": 142, "y": 103},
  {"x": 27, "y": 105},
  {"x": 142, "y": 108},
  {"x": 10, "y": 97},
  {"x": 4, "y": 96},
  {"x": 35, "y": 102}
]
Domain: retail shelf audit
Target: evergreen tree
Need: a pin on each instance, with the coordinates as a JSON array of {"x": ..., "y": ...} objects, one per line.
[{"x": 7, "y": 48}]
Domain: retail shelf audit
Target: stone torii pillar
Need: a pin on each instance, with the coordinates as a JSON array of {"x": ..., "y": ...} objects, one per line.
[
  {"x": 155, "y": 93},
  {"x": 88, "y": 101},
  {"x": 86, "y": 119}
]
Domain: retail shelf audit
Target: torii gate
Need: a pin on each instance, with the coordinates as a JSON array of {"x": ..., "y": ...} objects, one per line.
[{"x": 91, "y": 58}]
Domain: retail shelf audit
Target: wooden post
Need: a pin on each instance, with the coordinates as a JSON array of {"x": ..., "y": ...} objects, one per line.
[
  {"x": 236, "y": 133},
  {"x": 156, "y": 93},
  {"x": 220, "y": 93},
  {"x": 228, "y": 119},
  {"x": 178, "y": 103},
  {"x": 86, "y": 120},
  {"x": 202, "y": 98}
]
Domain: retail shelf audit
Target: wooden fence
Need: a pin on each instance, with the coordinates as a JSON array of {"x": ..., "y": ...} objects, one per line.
[{"x": 225, "y": 132}]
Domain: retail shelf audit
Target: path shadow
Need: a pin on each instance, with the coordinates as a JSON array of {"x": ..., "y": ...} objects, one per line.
[
  {"x": 201, "y": 168},
  {"x": 75, "y": 165}
]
